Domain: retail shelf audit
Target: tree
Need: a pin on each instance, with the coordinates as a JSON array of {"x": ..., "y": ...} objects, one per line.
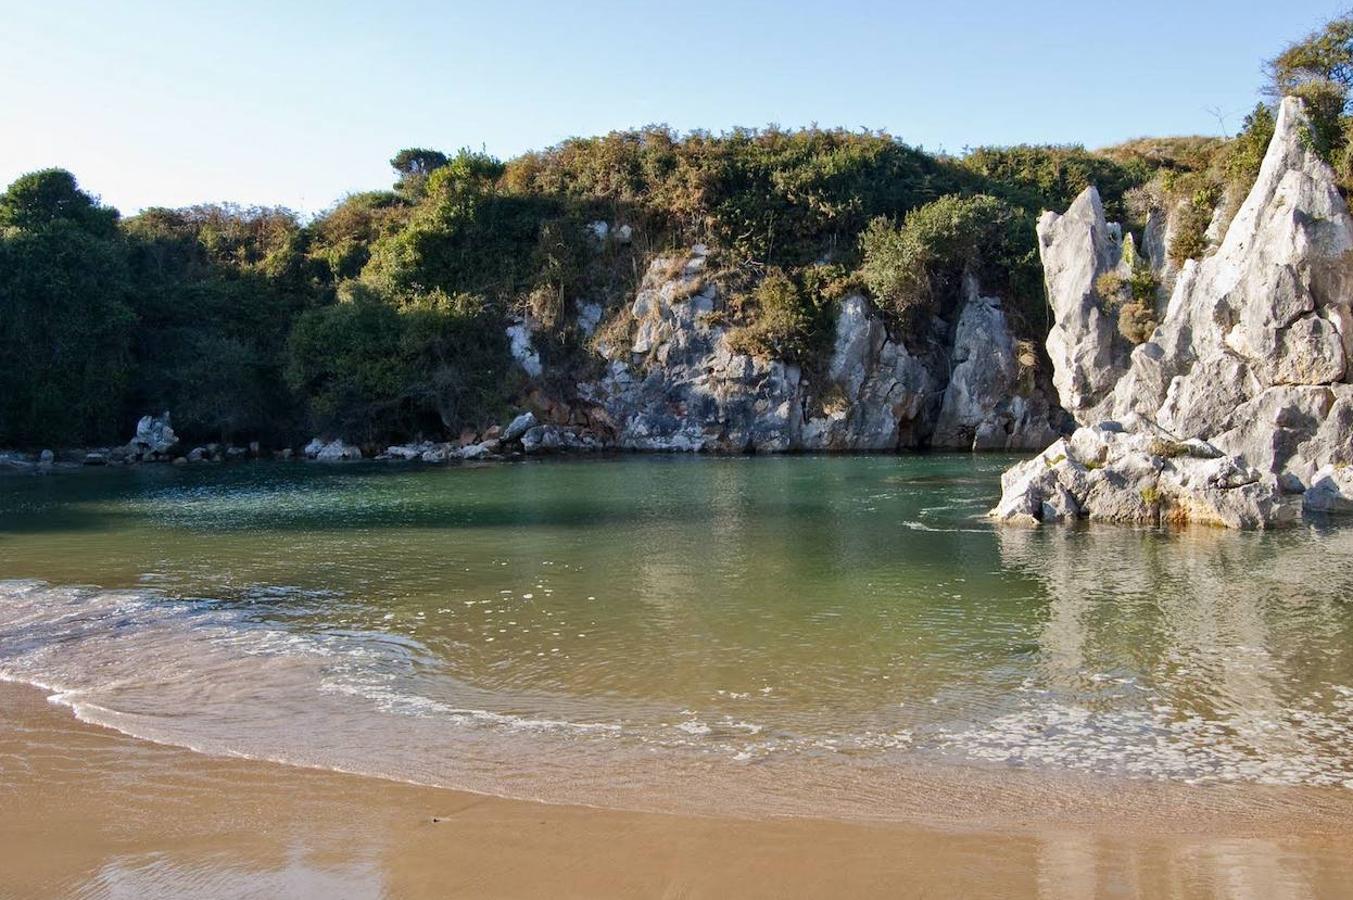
[
  {"x": 417, "y": 161},
  {"x": 65, "y": 337},
  {"x": 42, "y": 198},
  {"x": 414, "y": 165},
  {"x": 374, "y": 367},
  {"x": 1325, "y": 55}
]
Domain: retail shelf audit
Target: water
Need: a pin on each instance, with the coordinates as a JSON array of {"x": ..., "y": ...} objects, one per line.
[{"x": 840, "y": 636}]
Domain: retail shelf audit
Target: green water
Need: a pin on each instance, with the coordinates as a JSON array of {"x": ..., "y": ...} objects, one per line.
[{"x": 513, "y": 627}]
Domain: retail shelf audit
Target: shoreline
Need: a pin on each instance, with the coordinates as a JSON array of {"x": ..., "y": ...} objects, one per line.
[
  {"x": 24, "y": 462},
  {"x": 98, "y": 811}
]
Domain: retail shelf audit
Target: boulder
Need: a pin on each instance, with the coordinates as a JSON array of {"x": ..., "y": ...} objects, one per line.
[
  {"x": 427, "y": 451},
  {"x": 154, "y": 437},
  {"x": 335, "y": 450},
  {"x": 518, "y": 427},
  {"x": 551, "y": 438},
  {"x": 1115, "y": 476},
  {"x": 484, "y": 450},
  {"x": 435, "y": 454}
]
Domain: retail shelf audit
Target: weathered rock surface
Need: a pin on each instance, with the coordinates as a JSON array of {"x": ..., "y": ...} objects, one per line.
[
  {"x": 1088, "y": 354},
  {"x": 336, "y": 450},
  {"x": 523, "y": 349},
  {"x": 683, "y": 386},
  {"x": 154, "y": 437},
  {"x": 991, "y": 401},
  {"x": 1251, "y": 357},
  {"x": 519, "y": 426},
  {"x": 1107, "y": 475}
]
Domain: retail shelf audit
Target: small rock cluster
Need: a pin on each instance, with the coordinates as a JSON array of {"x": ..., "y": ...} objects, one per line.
[
  {"x": 523, "y": 436},
  {"x": 1106, "y": 474}
]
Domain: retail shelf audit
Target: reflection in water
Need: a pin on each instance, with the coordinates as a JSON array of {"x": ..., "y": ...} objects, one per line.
[{"x": 1202, "y": 654}]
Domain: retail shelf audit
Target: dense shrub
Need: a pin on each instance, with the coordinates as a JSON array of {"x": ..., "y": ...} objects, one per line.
[
  {"x": 65, "y": 333},
  {"x": 1132, "y": 297},
  {"x": 786, "y": 320},
  {"x": 911, "y": 270},
  {"x": 1037, "y": 178},
  {"x": 215, "y": 290},
  {"x": 1245, "y": 154},
  {"x": 376, "y": 369}
]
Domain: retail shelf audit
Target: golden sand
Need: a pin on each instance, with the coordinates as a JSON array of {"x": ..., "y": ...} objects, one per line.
[{"x": 88, "y": 812}]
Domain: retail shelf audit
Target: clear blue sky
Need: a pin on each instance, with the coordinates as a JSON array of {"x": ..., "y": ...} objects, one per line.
[{"x": 298, "y": 103}]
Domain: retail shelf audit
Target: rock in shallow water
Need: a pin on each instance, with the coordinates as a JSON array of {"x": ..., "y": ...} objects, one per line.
[
  {"x": 1116, "y": 476},
  {"x": 336, "y": 450},
  {"x": 154, "y": 437},
  {"x": 1250, "y": 359}
]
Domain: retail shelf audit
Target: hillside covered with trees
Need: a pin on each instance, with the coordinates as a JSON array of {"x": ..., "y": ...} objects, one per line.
[{"x": 384, "y": 318}]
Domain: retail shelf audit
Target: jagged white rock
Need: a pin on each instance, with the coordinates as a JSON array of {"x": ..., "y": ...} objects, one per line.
[
  {"x": 523, "y": 350},
  {"x": 1251, "y": 356},
  {"x": 1088, "y": 354}
]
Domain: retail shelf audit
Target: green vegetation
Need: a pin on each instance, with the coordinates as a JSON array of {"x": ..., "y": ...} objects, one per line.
[
  {"x": 1319, "y": 69},
  {"x": 65, "y": 316},
  {"x": 383, "y": 318},
  {"x": 1132, "y": 294},
  {"x": 914, "y": 269}
]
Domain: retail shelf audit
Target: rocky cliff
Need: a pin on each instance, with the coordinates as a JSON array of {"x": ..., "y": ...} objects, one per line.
[
  {"x": 680, "y": 384},
  {"x": 1238, "y": 408}
]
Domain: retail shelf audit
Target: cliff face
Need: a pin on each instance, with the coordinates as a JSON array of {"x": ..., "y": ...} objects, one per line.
[
  {"x": 682, "y": 385},
  {"x": 1245, "y": 383}
]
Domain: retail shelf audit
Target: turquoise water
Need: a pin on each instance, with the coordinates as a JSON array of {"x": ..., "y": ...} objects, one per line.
[{"x": 659, "y": 631}]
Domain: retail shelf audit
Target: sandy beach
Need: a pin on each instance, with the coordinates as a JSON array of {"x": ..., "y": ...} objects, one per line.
[{"x": 88, "y": 812}]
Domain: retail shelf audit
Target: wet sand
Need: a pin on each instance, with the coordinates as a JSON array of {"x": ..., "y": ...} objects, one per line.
[{"x": 89, "y": 812}]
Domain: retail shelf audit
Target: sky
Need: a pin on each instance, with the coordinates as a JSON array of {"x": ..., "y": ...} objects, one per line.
[{"x": 268, "y": 102}]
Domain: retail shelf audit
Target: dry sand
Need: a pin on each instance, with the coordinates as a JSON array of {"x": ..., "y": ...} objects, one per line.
[{"x": 88, "y": 812}]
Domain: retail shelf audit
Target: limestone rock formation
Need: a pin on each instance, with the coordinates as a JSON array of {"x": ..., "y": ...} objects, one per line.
[
  {"x": 1088, "y": 354},
  {"x": 992, "y": 401},
  {"x": 523, "y": 349},
  {"x": 1105, "y": 474},
  {"x": 1251, "y": 355},
  {"x": 682, "y": 384}
]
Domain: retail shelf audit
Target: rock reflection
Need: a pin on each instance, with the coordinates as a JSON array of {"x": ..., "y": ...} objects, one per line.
[{"x": 1201, "y": 654}]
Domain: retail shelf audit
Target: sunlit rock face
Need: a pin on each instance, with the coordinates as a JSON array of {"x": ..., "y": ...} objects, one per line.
[
  {"x": 1250, "y": 357},
  {"x": 1087, "y": 352},
  {"x": 682, "y": 384}
]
